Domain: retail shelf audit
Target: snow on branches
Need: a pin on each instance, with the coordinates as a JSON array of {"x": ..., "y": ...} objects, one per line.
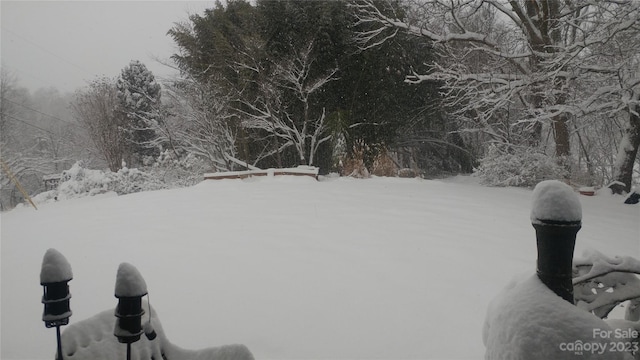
[
  {"x": 508, "y": 69},
  {"x": 139, "y": 98},
  {"x": 287, "y": 122},
  {"x": 199, "y": 124},
  {"x": 601, "y": 282}
]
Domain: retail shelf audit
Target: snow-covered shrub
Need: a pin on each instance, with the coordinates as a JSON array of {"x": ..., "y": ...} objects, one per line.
[
  {"x": 129, "y": 181},
  {"x": 523, "y": 167},
  {"x": 80, "y": 181},
  {"x": 45, "y": 197},
  {"x": 176, "y": 173}
]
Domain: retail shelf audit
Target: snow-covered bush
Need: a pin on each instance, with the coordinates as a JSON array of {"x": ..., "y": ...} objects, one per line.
[
  {"x": 518, "y": 167},
  {"x": 80, "y": 181},
  {"x": 129, "y": 181},
  {"x": 43, "y": 198},
  {"x": 177, "y": 173}
]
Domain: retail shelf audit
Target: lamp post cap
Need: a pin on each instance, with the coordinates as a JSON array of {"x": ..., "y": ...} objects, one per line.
[
  {"x": 555, "y": 203},
  {"x": 55, "y": 268},
  {"x": 129, "y": 282}
]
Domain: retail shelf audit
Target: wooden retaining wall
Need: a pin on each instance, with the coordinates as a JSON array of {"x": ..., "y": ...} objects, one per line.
[{"x": 299, "y": 171}]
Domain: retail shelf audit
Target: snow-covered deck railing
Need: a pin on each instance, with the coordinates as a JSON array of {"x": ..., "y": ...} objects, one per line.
[{"x": 297, "y": 171}]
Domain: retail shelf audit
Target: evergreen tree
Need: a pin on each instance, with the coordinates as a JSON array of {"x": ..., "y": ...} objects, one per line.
[
  {"x": 242, "y": 48},
  {"x": 139, "y": 98},
  {"x": 213, "y": 43}
]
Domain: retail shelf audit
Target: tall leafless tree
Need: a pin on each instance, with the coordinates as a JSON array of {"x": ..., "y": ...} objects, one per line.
[
  {"x": 532, "y": 55},
  {"x": 95, "y": 108},
  {"x": 198, "y": 122}
]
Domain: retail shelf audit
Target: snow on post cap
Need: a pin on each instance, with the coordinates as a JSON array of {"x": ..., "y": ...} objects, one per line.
[
  {"x": 129, "y": 282},
  {"x": 55, "y": 268},
  {"x": 555, "y": 201}
]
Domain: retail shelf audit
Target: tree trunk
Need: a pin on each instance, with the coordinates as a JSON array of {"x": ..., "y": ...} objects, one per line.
[
  {"x": 627, "y": 151},
  {"x": 561, "y": 136}
]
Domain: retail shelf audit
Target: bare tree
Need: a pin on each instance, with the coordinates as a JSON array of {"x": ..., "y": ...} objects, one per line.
[
  {"x": 290, "y": 123},
  {"x": 198, "y": 123},
  {"x": 613, "y": 70},
  {"x": 96, "y": 109},
  {"x": 23, "y": 142},
  {"x": 11, "y": 107},
  {"x": 628, "y": 148},
  {"x": 531, "y": 54}
]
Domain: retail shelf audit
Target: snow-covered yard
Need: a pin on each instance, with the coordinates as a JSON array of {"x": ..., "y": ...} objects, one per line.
[{"x": 295, "y": 268}]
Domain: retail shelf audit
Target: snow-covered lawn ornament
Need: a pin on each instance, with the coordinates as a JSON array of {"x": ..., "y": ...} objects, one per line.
[
  {"x": 535, "y": 317},
  {"x": 556, "y": 215},
  {"x": 55, "y": 275},
  {"x": 130, "y": 288}
]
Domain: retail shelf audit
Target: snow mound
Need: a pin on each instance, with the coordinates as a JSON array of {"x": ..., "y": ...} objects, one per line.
[
  {"x": 92, "y": 339},
  {"x": 527, "y": 321},
  {"x": 79, "y": 181},
  {"x": 554, "y": 200},
  {"x": 55, "y": 268},
  {"x": 129, "y": 282}
]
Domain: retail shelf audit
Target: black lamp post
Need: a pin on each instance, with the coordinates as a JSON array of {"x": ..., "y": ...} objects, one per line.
[
  {"x": 130, "y": 288},
  {"x": 557, "y": 217},
  {"x": 54, "y": 277},
  {"x": 556, "y": 242}
]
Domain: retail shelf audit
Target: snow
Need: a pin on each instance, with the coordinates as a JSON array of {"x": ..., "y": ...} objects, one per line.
[
  {"x": 528, "y": 321},
  {"x": 129, "y": 282},
  {"x": 55, "y": 268},
  {"x": 554, "y": 200},
  {"x": 602, "y": 264},
  {"x": 292, "y": 267},
  {"x": 603, "y": 282},
  {"x": 93, "y": 338}
]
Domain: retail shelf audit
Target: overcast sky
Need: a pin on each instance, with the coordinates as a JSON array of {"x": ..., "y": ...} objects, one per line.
[{"x": 65, "y": 44}]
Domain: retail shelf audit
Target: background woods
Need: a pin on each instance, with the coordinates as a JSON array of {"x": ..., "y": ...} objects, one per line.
[
  {"x": 521, "y": 76},
  {"x": 515, "y": 91}
]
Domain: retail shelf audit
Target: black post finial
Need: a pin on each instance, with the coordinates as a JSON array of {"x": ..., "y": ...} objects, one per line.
[
  {"x": 556, "y": 215},
  {"x": 55, "y": 275},
  {"x": 130, "y": 288}
]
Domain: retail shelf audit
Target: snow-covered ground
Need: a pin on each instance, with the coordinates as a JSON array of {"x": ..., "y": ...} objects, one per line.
[{"x": 294, "y": 268}]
